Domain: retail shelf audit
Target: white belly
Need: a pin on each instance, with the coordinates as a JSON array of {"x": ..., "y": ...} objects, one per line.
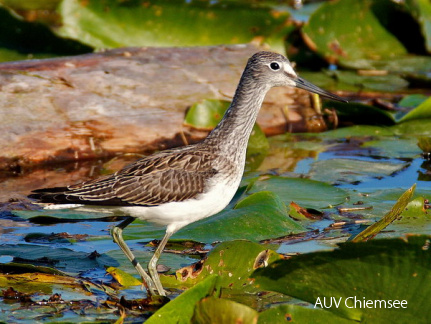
[{"x": 176, "y": 215}]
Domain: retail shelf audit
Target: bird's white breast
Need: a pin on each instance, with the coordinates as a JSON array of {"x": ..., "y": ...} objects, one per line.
[{"x": 176, "y": 215}]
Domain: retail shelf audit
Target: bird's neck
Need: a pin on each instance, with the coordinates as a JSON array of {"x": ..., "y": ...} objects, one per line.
[{"x": 232, "y": 133}]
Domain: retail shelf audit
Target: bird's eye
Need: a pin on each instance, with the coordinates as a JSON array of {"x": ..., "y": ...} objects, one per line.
[{"x": 274, "y": 66}]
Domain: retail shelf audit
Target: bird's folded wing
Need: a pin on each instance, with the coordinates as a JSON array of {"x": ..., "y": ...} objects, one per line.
[{"x": 152, "y": 181}]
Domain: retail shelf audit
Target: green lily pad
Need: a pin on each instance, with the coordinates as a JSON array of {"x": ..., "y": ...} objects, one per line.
[
  {"x": 63, "y": 259},
  {"x": 259, "y": 216},
  {"x": 383, "y": 83},
  {"x": 413, "y": 127},
  {"x": 412, "y": 100},
  {"x": 423, "y": 111},
  {"x": 185, "y": 302},
  {"x": 299, "y": 314},
  {"x": 232, "y": 261},
  {"x": 348, "y": 30},
  {"x": 101, "y": 24},
  {"x": 394, "y": 147},
  {"x": 305, "y": 192},
  {"x": 206, "y": 114},
  {"x": 123, "y": 278},
  {"x": 372, "y": 230},
  {"x": 414, "y": 219},
  {"x": 382, "y": 270},
  {"x": 352, "y": 170},
  {"x": 218, "y": 310},
  {"x": 357, "y": 131}
]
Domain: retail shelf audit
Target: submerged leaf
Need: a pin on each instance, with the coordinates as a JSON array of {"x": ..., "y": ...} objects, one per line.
[{"x": 352, "y": 170}]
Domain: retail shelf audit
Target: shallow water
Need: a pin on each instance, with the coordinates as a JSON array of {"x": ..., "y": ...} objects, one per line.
[{"x": 67, "y": 244}]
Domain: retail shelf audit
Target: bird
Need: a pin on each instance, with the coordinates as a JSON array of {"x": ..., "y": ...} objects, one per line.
[{"x": 179, "y": 186}]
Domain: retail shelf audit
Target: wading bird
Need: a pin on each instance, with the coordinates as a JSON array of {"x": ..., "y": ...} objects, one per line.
[{"x": 180, "y": 186}]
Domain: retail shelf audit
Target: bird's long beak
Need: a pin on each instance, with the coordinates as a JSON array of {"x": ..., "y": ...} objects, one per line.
[{"x": 304, "y": 84}]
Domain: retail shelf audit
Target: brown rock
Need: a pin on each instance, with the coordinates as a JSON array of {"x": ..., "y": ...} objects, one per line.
[{"x": 123, "y": 100}]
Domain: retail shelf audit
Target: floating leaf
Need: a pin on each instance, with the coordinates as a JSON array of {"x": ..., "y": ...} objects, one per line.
[
  {"x": 101, "y": 24},
  {"x": 217, "y": 310},
  {"x": 392, "y": 215},
  {"x": 206, "y": 114},
  {"x": 393, "y": 147},
  {"x": 352, "y": 170},
  {"x": 299, "y": 314},
  {"x": 123, "y": 278},
  {"x": 232, "y": 261},
  {"x": 423, "y": 111},
  {"x": 383, "y": 83},
  {"x": 185, "y": 302},
  {"x": 382, "y": 270},
  {"x": 256, "y": 217},
  {"x": 305, "y": 192},
  {"x": 412, "y": 100},
  {"x": 348, "y": 30},
  {"x": 418, "y": 127}
]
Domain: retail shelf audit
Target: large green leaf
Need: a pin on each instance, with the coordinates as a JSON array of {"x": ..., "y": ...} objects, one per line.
[
  {"x": 423, "y": 111},
  {"x": 256, "y": 217},
  {"x": 305, "y": 192},
  {"x": 232, "y": 261},
  {"x": 218, "y": 310},
  {"x": 112, "y": 23},
  {"x": 394, "y": 269},
  {"x": 299, "y": 314},
  {"x": 348, "y": 30},
  {"x": 180, "y": 310}
]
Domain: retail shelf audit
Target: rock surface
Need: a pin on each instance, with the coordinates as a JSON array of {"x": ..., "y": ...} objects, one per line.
[{"x": 122, "y": 101}]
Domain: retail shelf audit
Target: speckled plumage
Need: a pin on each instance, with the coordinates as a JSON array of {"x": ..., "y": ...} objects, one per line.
[{"x": 180, "y": 186}]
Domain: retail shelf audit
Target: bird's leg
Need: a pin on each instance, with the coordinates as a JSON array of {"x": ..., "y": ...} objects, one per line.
[
  {"x": 152, "y": 265},
  {"x": 117, "y": 235}
]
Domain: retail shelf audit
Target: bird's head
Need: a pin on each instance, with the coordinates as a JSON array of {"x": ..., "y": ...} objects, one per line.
[{"x": 275, "y": 70}]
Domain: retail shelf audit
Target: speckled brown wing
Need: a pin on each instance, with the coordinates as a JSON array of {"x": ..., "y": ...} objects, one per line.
[{"x": 165, "y": 177}]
